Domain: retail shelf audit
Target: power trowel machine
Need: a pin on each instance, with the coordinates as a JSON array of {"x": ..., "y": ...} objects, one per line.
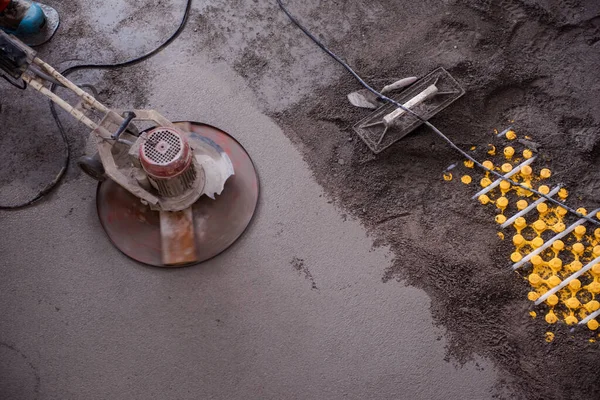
[{"x": 177, "y": 193}]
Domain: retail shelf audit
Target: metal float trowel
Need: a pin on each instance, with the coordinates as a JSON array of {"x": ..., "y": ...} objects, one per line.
[{"x": 426, "y": 97}]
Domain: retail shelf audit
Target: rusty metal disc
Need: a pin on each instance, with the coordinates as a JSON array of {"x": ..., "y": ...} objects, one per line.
[{"x": 135, "y": 229}]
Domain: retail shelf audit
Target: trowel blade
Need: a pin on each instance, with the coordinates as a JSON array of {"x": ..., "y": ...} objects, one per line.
[
  {"x": 364, "y": 99},
  {"x": 178, "y": 237}
]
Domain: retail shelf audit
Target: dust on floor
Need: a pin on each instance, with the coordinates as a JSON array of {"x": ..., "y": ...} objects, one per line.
[{"x": 532, "y": 61}]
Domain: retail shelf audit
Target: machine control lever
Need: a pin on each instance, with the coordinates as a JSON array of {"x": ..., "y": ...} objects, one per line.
[{"x": 129, "y": 116}]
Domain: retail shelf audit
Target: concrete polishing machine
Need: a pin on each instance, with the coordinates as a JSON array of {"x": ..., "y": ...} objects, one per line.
[
  {"x": 174, "y": 194},
  {"x": 180, "y": 193}
]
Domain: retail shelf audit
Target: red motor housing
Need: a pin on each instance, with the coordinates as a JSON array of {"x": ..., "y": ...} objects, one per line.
[{"x": 166, "y": 157}]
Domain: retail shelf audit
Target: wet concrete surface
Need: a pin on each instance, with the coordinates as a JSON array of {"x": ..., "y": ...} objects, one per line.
[{"x": 296, "y": 309}]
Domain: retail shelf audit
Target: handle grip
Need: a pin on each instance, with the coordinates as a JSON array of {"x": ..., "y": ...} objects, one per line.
[
  {"x": 392, "y": 117},
  {"x": 399, "y": 84},
  {"x": 129, "y": 116}
]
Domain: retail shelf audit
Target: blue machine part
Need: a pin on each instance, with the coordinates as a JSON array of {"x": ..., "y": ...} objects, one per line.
[
  {"x": 37, "y": 25},
  {"x": 33, "y": 21}
]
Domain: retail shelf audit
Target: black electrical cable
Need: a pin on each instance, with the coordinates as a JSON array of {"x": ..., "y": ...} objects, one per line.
[
  {"x": 424, "y": 121},
  {"x": 138, "y": 60},
  {"x": 61, "y": 129}
]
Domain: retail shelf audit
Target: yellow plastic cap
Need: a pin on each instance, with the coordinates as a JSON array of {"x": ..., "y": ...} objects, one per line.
[
  {"x": 511, "y": 135},
  {"x": 504, "y": 186},
  {"x": 537, "y": 261},
  {"x": 491, "y": 150},
  {"x": 518, "y": 240},
  {"x": 575, "y": 266},
  {"x": 578, "y": 248},
  {"x": 466, "y": 179},
  {"x": 558, "y": 245},
  {"x": 594, "y": 287},
  {"x": 537, "y": 242},
  {"x": 592, "y": 306},
  {"x": 597, "y": 233},
  {"x": 534, "y": 279},
  {"x": 596, "y": 251},
  {"x": 522, "y": 204},
  {"x": 582, "y": 211},
  {"x": 575, "y": 284},
  {"x": 551, "y": 319},
  {"x": 573, "y": 303},
  {"x": 580, "y": 230},
  {"x": 559, "y": 227},
  {"x": 502, "y": 202},
  {"x": 484, "y": 199},
  {"x": 555, "y": 263},
  {"x": 526, "y": 170},
  {"x": 563, "y": 193},
  {"x": 533, "y": 314},
  {"x": 539, "y": 225},
  {"x": 544, "y": 189},
  {"x": 516, "y": 257},
  {"x": 500, "y": 219},
  {"x": 596, "y": 268},
  {"x": 468, "y": 163},
  {"x": 542, "y": 208},
  {"x": 447, "y": 176},
  {"x": 520, "y": 223},
  {"x": 533, "y": 296},
  {"x": 527, "y": 153},
  {"x": 485, "y": 182},
  {"x": 488, "y": 164},
  {"x": 506, "y": 167},
  {"x": 571, "y": 320},
  {"x": 509, "y": 152},
  {"x": 553, "y": 281},
  {"x": 545, "y": 173},
  {"x": 593, "y": 325},
  {"x": 552, "y": 300},
  {"x": 561, "y": 211}
]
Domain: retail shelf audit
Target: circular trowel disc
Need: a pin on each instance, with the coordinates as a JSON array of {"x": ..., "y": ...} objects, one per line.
[{"x": 135, "y": 229}]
